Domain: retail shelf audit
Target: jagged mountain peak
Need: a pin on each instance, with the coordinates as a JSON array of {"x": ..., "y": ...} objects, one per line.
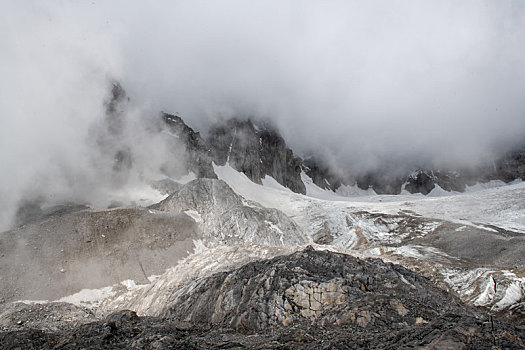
[
  {"x": 257, "y": 149},
  {"x": 198, "y": 157}
]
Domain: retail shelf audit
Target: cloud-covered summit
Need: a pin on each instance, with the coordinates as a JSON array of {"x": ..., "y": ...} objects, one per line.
[{"x": 439, "y": 82}]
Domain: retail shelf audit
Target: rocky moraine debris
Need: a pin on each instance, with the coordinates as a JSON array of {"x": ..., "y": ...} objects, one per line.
[{"x": 310, "y": 300}]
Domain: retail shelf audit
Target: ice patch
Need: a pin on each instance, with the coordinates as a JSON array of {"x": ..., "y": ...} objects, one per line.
[
  {"x": 513, "y": 294},
  {"x": 200, "y": 247},
  {"x": 375, "y": 251},
  {"x": 488, "y": 294},
  {"x": 195, "y": 215},
  {"x": 438, "y": 191},
  {"x": 269, "y": 181},
  {"x": 312, "y": 190},
  {"x": 131, "y": 285},
  {"x": 30, "y": 302},
  {"x": 89, "y": 297},
  {"x": 186, "y": 178},
  {"x": 354, "y": 191}
]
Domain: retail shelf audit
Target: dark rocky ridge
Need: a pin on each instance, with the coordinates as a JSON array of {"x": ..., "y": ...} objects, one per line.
[
  {"x": 110, "y": 136},
  {"x": 447, "y": 332},
  {"x": 198, "y": 155},
  {"x": 509, "y": 167},
  {"x": 381, "y": 182},
  {"x": 307, "y": 300},
  {"x": 259, "y": 151},
  {"x": 420, "y": 182},
  {"x": 256, "y": 152}
]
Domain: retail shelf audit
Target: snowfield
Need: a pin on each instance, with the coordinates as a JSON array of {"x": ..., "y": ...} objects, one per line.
[
  {"x": 435, "y": 235},
  {"x": 497, "y": 204}
]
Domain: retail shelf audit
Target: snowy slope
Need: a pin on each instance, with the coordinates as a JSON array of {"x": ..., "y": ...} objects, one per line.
[
  {"x": 502, "y": 206},
  {"x": 401, "y": 229}
]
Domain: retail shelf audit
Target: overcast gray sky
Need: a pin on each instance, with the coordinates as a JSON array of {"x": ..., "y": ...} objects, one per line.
[{"x": 361, "y": 80}]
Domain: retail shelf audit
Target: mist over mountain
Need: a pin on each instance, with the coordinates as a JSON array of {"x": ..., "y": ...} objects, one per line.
[
  {"x": 358, "y": 85},
  {"x": 263, "y": 174}
]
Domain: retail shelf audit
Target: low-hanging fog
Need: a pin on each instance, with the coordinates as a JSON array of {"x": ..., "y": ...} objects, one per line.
[{"x": 358, "y": 82}]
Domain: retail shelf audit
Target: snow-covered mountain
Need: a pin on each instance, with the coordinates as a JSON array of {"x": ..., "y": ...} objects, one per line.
[{"x": 248, "y": 238}]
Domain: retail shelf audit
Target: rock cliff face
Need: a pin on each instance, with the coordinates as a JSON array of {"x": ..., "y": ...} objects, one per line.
[
  {"x": 256, "y": 152},
  {"x": 380, "y": 183},
  {"x": 420, "y": 182},
  {"x": 507, "y": 168},
  {"x": 198, "y": 156},
  {"x": 111, "y": 135},
  {"x": 510, "y": 167}
]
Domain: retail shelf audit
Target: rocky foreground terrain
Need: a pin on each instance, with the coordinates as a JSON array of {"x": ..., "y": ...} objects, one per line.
[{"x": 309, "y": 299}]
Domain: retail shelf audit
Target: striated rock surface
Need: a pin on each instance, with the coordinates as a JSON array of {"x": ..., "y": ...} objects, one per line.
[{"x": 314, "y": 287}]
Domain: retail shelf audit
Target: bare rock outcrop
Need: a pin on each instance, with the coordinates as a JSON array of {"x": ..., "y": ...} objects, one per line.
[
  {"x": 314, "y": 288},
  {"x": 197, "y": 156},
  {"x": 226, "y": 217},
  {"x": 256, "y": 152}
]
